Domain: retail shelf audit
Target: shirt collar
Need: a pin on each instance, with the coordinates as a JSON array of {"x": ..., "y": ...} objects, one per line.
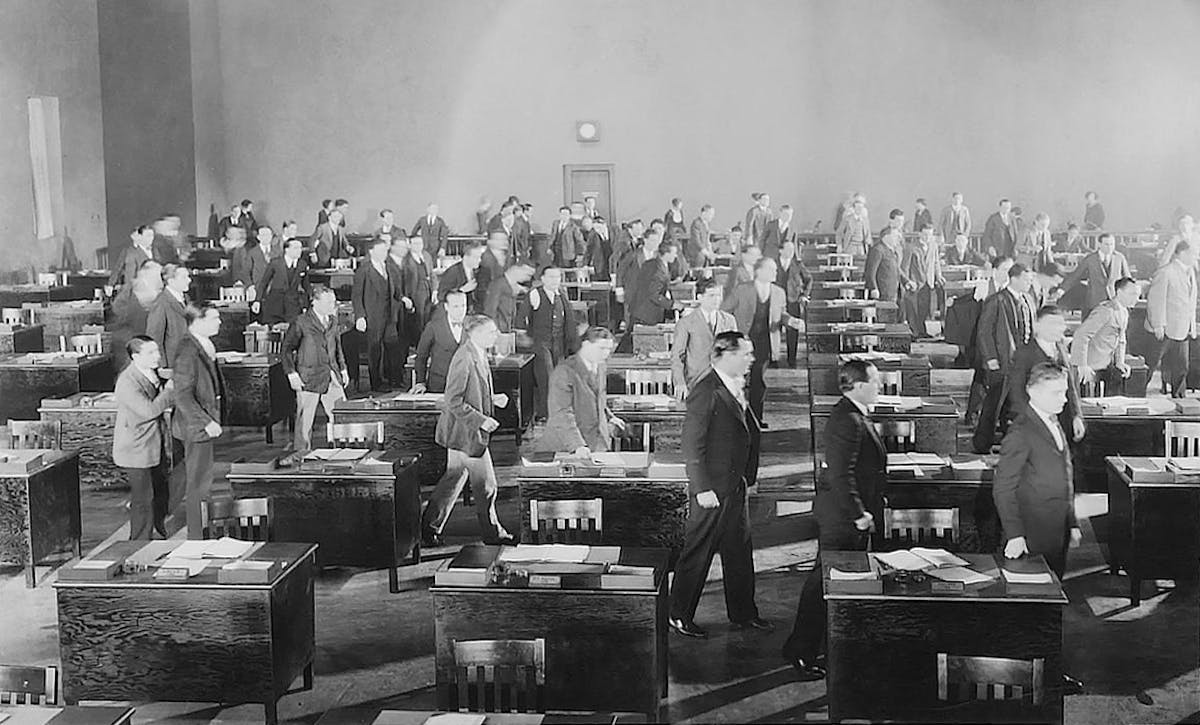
[
  {"x": 177, "y": 295},
  {"x": 207, "y": 346},
  {"x": 151, "y": 375},
  {"x": 734, "y": 385},
  {"x": 1049, "y": 348},
  {"x": 861, "y": 408}
]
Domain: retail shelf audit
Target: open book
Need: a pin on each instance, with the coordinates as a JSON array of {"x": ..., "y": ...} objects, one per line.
[{"x": 918, "y": 559}]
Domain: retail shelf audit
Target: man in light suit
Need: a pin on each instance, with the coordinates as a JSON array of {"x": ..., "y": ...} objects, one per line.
[
  {"x": 720, "y": 446},
  {"x": 1000, "y": 232},
  {"x": 848, "y": 503},
  {"x": 1099, "y": 344},
  {"x": 433, "y": 230},
  {"x": 442, "y": 336},
  {"x": 329, "y": 242},
  {"x": 376, "y": 298},
  {"x": 853, "y": 234},
  {"x": 1100, "y": 271},
  {"x": 1005, "y": 323},
  {"x": 956, "y": 218},
  {"x": 580, "y": 421},
  {"x": 142, "y": 400},
  {"x": 166, "y": 323},
  {"x": 566, "y": 239},
  {"x": 779, "y": 232},
  {"x": 921, "y": 265},
  {"x": 1171, "y": 315},
  {"x": 694, "y": 334},
  {"x": 699, "y": 246},
  {"x": 757, "y": 219},
  {"x": 199, "y": 407}
]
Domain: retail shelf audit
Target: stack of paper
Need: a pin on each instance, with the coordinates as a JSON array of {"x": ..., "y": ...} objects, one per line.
[
  {"x": 222, "y": 548},
  {"x": 838, "y": 575},
  {"x": 562, "y": 553},
  {"x": 960, "y": 574},
  {"x": 336, "y": 454},
  {"x": 1016, "y": 577},
  {"x": 919, "y": 559}
]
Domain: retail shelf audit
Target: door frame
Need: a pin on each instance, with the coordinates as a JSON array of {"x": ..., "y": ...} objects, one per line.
[{"x": 568, "y": 169}]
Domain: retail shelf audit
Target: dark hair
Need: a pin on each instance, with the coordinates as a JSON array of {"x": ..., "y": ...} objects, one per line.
[
  {"x": 141, "y": 229},
  {"x": 704, "y": 284},
  {"x": 288, "y": 223},
  {"x": 565, "y": 208},
  {"x": 376, "y": 241},
  {"x": 705, "y": 208},
  {"x": 1047, "y": 310},
  {"x": 297, "y": 240},
  {"x": 853, "y": 372},
  {"x": 1181, "y": 247},
  {"x": 134, "y": 346},
  {"x": 246, "y": 202},
  {"x": 728, "y": 341},
  {"x": 169, "y": 270},
  {"x": 676, "y": 201},
  {"x": 1123, "y": 283},
  {"x": 1016, "y": 270},
  {"x": 596, "y": 332},
  {"x": 318, "y": 291},
  {"x": 1042, "y": 372},
  {"x": 921, "y": 200},
  {"x": 736, "y": 228},
  {"x": 1003, "y": 201},
  {"x": 1073, "y": 225},
  {"x": 1106, "y": 234},
  {"x": 384, "y": 211},
  {"x": 1050, "y": 269},
  {"x": 196, "y": 311},
  {"x": 785, "y": 207},
  {"x": 665, "y": 247},
  {"x": 326, "y": 203},
  {"x": 341, "y": 202},
  {"x": 895, "y": 213},
  {"x": 998, "y": 260},
  {"x": 652, "y": 231}
]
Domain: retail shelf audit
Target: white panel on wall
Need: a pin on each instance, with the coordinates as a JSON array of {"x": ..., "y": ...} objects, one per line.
[{"x": 45, "y": 155}]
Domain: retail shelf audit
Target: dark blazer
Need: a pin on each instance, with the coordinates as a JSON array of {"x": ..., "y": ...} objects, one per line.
[
  {"x": 377, "y": 299},
  {"x": 856, "y": 469},
  {"x": 435, "y": 235},
  {"x": 131, "y": 259},
  {"x": 454, "y": 278},
  {"x": 699, "y": 241},
  {"x": 567, "y": 242},
  {"x": 166, "y": 325},
  {"x": 1001, "y": 328},
  {"x": 795, "y": 281},
  {"x": 998, "y": 236},
  {"x": 164, "y": 250},
  {"x": 519, "y": 240},
  {"x": 467, "y": 403},
  {"x": 199, "y": 391},
  {"x": 1033, "y": 488},
  {"x": 313, "y": 350},
  {"x": 922, "y": 220},
  {"x": 775, "y": 238},
  {"x": 720, "y": 440},
  {"x": 490, "y": 269},
  {"x": 578, "y": 404},
  {"x": 1101, "y": 285},
  {"x": 652, "y": 293},
  {"x": 283, "y": 292},
  {"x": 434, "y": 351},
  {"x": 500, "y": 304},
  {"x": 138, "y": 432},
  {"x": 1022, "y": 362},
  {"x": 418, "y": 284},
  {"x": 883, "y": 272},
  {"x": 329, "y": 243},
  {"x": 247, "y": 265},
  {"x": 541, "y": 323}
]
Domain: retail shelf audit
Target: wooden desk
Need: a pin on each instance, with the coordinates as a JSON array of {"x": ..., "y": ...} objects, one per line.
[
  {"x": 823, "y": 373},
  {"x": 358, "y": 518},
  {"x": 61, "y": 320},
  {"x": 935, "y": 424},
  {"x": 838, "y": 337},
  {"x": 341, "y": 281},
  {"x": 641, "y": 508},
  {"x": 23, "y": 338},
  {"x": 194, "y": 640},
  {"x": 87, "y": 427},
  {"x": 235, "y": 316},
  {"x": 837, "y": 273},
  {"x": 257, "y": 392},
  {"x": 39, "y": 512},
  {"x": 600, "y": 292},
  {"x": 207, "y": 283},
  {"x": 618, "y": 364},
  {"x": 1154, "y": 528},
  {"x": 665, "y": 423},
  {"x": 15, "y": 295},
  {"x": 418, "y": 717},
  {"x": 86, "y": 282},
  {"x": 513, "y": 376},
  {"x": 606, "y": 649},
  {"x": 979, "y": 523},
  {"x": 883, "y": 647},
  {"x": 833, "y": 290},
  {"x": 850, "y": 310},
  {"x": 25, "y": 383},
  {"x": 1113, "y": 435},
  {"x": 69, "y": 715}
]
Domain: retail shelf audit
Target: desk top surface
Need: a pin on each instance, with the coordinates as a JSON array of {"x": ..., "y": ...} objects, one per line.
[
  {"x": 51, "y": 361},
  {"x": 639, "y": 467},
  {"x": 481, "y": 556},
  {"x": 998, "y": 590},
  {"x": 69, "y": 715},
  {"x": 270, "y": 472},
  {"x": 859, "y": 328},
  {"x": 420, "y": 717},
  {"x": 625, "y": 361},
  {"x": 287, "y": 554},
  {"x": 933, "y": 406},
  {"x": 1153, "y": 472},
  {"x": 50, "y": 458},
  {"x": 883, "y": 361},
  {"x": 81, "y": 402}
]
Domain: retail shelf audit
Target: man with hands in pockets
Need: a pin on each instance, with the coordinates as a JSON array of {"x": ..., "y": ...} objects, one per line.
[{"x": 314, "y": 363}]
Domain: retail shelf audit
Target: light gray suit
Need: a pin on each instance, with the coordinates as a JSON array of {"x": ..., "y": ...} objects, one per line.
[
  {"x": 579, "y": 414},
  {"x": 693, "y": 344}
]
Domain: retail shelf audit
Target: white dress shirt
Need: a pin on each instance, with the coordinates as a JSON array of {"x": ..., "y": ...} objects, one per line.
[
  {"x": 736, "y": 386},
  {"x": 1050, "y": 420}
]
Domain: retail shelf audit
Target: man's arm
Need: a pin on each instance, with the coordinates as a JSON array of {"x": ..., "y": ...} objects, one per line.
[
  {"x": 156, "y": 328},
  {"x": 358, "y": 292},
  {"x": 1014, "y": 452},
  {"x": 264, "y": 284},
  {"x": 561, "y": 406},
  {"x": 1017, "y": 375},
  {"x": 986, "y": 331},
  {"x": 424, "y": 345},
  {"x": 288, "y": 347},
  {"x": 694, "y": 441},
  {"x": 843, "y": 440},
  {"x": 142, "y": 408}
]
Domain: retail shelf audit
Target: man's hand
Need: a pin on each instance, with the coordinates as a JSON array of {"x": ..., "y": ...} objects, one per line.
[
  {"x": 213, "y": 429},
  {"x": 864, "y": 522},
  {"x": 583, "y": 452},
  {"x": 255, "y": 307},
  {"x": 295, "y": 381},
  {"x": 1086, "y": 374},
  {"x": 1125, "y": 369},
  {"x": 993, "y": 364},
  {"x": 874, "y": 294},
  {"x": 345, "y": 378},
  {"x": 469, "y": 286},
  {"x": 1159, "y": 333},
  {"x": 1015, "y": 548},
  {"x": 361, "y": 324},
  {"x": 407, "y": 303},
  {"x": 616, "y": 423},
  {"x": 681, "y": 392},
  {"x": 1077, "y": 428},
  {"x": 1076, "y": 537},
  {"x": 500, "y": 400},
  {"x": 795, "y": 323},
  {"x": 489, "y": 425},
  {"x": 418, "y": 388},
  {"x": 708, "y": 500},
  {"x": 165, "y": 373}
]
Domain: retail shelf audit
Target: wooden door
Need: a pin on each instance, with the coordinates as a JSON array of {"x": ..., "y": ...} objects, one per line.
[{"x": 583, "y": 180}]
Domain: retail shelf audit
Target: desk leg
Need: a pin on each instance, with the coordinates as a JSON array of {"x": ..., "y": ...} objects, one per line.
[
  {"x": 1135, "y": 588},
  {"x": 271, "y": 710},
  {"x": 308, "y": 676},
  {"x": 393, "y": 578},
  {"x": 30, "y": 576},
  {"x": 270, "y": 434}
]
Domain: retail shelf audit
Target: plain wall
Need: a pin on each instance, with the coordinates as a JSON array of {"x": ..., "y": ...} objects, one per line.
[
  {"x": 208, "y": 111},
  {"x": 394, "y": 104},
  {"x": 49, "y": 48},
  {"x": 146, "y": 84}
]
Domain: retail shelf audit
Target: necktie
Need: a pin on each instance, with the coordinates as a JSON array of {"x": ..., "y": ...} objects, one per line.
[{"x": 712, "y": 324}]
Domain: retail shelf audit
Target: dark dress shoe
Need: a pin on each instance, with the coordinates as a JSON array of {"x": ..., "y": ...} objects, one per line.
[
  {"x": 431, "y": 539},
  {"x": 505, "y": 540},
  {"x": 687, "y": 629},
  {"x": 1071, "y": 686},
  {"x": 807, "y": 672},
  {"x": 756, "y": 623}
]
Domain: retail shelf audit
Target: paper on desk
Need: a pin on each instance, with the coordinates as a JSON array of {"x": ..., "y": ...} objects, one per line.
[
  {"x": 938, "y": 557},
  {"x": 926, "y": 459},
  {"x": 972, "y": 465},
  {"x": 455, "y": 718},
  {"x": 222, "y": 548},
  {"x": 837, "y": 575},
  {"x": 231, "y": 356},
  {"x": 1016, "y": 577},
  {"x": 538, "y": 464},
  {"x": 902, "y": 560},
  {"x": 617, "y": 459},
  {"x": 336, "y": 454},
  {"x": 417, "y": 397},
  {"x": 566, "y": 553},
  {"x": 193, "y": 566},
  {"x": 1186, "y": 465},
  {"x": 960, "y": 574}
]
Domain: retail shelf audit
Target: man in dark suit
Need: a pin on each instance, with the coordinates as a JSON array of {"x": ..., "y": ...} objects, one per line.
[
  {"x": 377, "y": 300},
  {"x": 166, "y": 323},
  {"x": 329, "y": 242},
  {"x": 492, "y": 264},
  {"x": 138, "y": 438},
  {"x": 796, "y": 282},
  {"x": 884, "y": 276},
  {"x": 199, "y": 394},
  {"x": 311, "y": 353},
  {"x": 433, "y": 230},
  {"x": 284, "y": 289},
  {"x": 522, "y": 236},
  {"x": 141, "y": 249},
  {"x": 580, "y": 420},
  {"x": 1000, "y": 233},
  {"x": 418, "y": 284},
  {"x": 720, "y": 446},
  {"x": 566, "y": 240},
  {"x": 653, "y": 287},
  {"x": 552, "y": 328},
  {"x": 463, "y": 276},
  {"x": 1005, "y": 323},
  {"x": 960, "y": 253},
  {"x": 1047, "y": 346},
  {"x": 699, "y": 251},
  {"x": 1100, "y": 271},
  {"x": 500, "y": 304},
  {"x": 779, "y": 231},
  {"x": 922, "y": 217},
  {"x": 849, "y": 500},
  {"x": 441, "y": 338},
  {"x": 169, "y": 245},
  {"x": 239, "y": 218}
]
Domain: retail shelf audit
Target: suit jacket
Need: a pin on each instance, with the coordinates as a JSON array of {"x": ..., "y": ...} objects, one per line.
[
  {"x": 166, "y": 325},
  {"x": 377, "y": 299},
  {"x": 313, "y": 350},
  {"x": 418, "y": 284},
  {"x": 795, "y": 281},
  {"x": 997, "y": 235},
  {"x": 1100, "y": 283},
  {"x": 855, "y": 472},
  {"x": 744, "y": 301},
  {"x": 1093, "y": 217},
  {"x": 490, "y": 268},
  {"x": 690, "y": 353},
  {"x": 970, "y": 256},
  {"x": 578, "y": 405},
  {"x": 921, "y": 265},
  {"x": 720, "y": 439},
  {"x": 283, "y": 292},
  {"x": 923, "y": 220},
  {"x": 541, "y": 322},
  {"x": 699, "y": 242},
  {"x": 248, "y": 265},
  {"x": 737, "y": 276},
  {"x": 1003, "y": 327},
  {"x": 653, "y": 293},
  {"x": 435, "y": 349},
  {"x": 435, "y": 235},
  {"x": 328, "y": 243},
  {"x": 567, "y": 242},
  {"x": 165, "y": 250},
  {"x": 1171, "y": 302},
  {"x": 1101, "y": 340},
  {"x": 501, "y": 305},
  {"x": 1033, "y": 489},
  {"x": 199, "y": 391},
  {"x": 952, "y": 224},
  {"x": 1023, "y": 360},
  {"x": 884, "y": 273},
  {"x": 520, "y": 239},
  {"x": 774, "y": 239},
  {"x": 131, "y": 259},
  {"x": 455, "y": 278},
  {"x": 138, "y": 432},
  {"x": 757, "y": 221},
  {"x": 467, "y": 403},
  {"x": 853, "y": 233}
]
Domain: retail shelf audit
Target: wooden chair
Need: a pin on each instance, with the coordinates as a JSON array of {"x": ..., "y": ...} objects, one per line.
[
  {"x": 1183, "y": 439},
  {"x": 354, "y": 435},
  {"x": 263, "y": 339},
  {"x": 859, "y": 343},
  {"x": 569, "y": 521},
  {"x": 21, "y": 685},
  {"x": 500, "y": 675},
  {"x": 92, "y": 344},
  {"x": 248, "y": 519},
  {"x": 12, "y": 316},
  {"x": 841, "y": 260},
  {"x": 47, "y": 279},
  {"x": 869, "y": 314},
  {"x": 899, "y": 436},
  {"x": 975, "y": 678},
  {"x": 890, "y": 382},
  {"x": 233, "y": 294},
  {"x": 102, "y": 258},
  {"x": 27, "y": 434},
  {"x": 648, "y": 382},
  {"x": 921, "y": 525}
]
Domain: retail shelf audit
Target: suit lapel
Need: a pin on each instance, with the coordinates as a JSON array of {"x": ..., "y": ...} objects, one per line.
[{"x": 730, "y": 401}]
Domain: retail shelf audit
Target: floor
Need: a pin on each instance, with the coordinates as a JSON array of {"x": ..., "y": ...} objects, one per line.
[{"x": 375, "y": 649}]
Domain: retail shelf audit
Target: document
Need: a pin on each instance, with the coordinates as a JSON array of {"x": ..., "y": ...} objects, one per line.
[
  {"x": 563, "y": 553},
  {"x": 1016, "y": 577},
  {"x": 902, "y": 560},
  {"x": 336, "y": 454},
  {"x": 960, "y": 574},
  {"x": 938, "y": 557},
  {"x": 223, "y": 548},
  {"x": 456, "y": 718},
  {"x": 974, "y": 465},
  {"x": 193, "y": 566},
  {"x": 837, "y": 575}
]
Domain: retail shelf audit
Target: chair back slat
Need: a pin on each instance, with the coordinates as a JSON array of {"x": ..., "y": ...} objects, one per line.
[
  {"x": 574, "y": 521},
  {"x": 236, "y": 293},
  {"x": 921, "y": 525},
  {"x": 30, "y": 434},
  {"x": 500, "y": 675},
  {"x": 899, "y": 436},
  {"x": 963, "y": 678},
  {"x": 890, "y": 382},
  {"x": 1183, "y": 439},
  {"x": 91, "y": 344},
  {"x": 24, "y": 685},
  {"x": 354, "y": 435},
  {"x": 248, "y": 519},
  {"x": 648, "y": 382}
]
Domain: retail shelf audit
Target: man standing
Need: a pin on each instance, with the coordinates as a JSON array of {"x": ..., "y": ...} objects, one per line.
[
  {"x": 922, "y": 217},
  {"x": 854, "y": 233},
  {"x": 522, "y": 235},
  {"x": 1093, "y": 212},
  {"x": 170, "y": 247},
  {"x": 779, "y": 232},
  {"x": 720, "y": 446},
  {"x": 694, "y": 335},
  {"x": 387, "y": 229},
  {"x": 377, "y": 300},
  {"x": 921, "y": 266},
  {"x": 796, "y": 282},
  {"x": 442, "y": 336},
  {"x": 1098, "y": 346},
  {"x": 1005, "y": 323},
  {"x": 699, "y": 247},
  {"x": 492, "y": 264},
  {"x": 329, "y": 241},
  {"x": 199, "y": 395},
  {"x": 501, "y": 301},
  {"x": 1045, "y": 287},
  {"x": 758, "y": 218},
  {"x": 580, "y": 421},
  {"x": 1171, "y": 315},
  {"x": 849, "y": 500},
  {"x": 462, "y": 276},
  {"x": 566, "y": 239},
  {"x": 961, "y": 253},
  {"x": 883, "y": 276},
  {"x": 1000, "y": 232},
  {"x": 744, "y": 270},
  {"x": 597, "y": 253},
  {"x": 166, "y": 323},
  {"x": 1100, "y": 271},
  {"x": 956, "y": 218},
  {"x": 312, "y": 359},
  {"x": 417, "y": 282},
  {"x": 552, "y": 327},
  {"x": 140, "y": 250},
  {"x": 283, "y": 289},
  {"x": 1047, "y": 346},
  {"x": 653, "y": 299},
  {"x": 138, "y": 438},
  {"x": 433, "y": 230}
]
